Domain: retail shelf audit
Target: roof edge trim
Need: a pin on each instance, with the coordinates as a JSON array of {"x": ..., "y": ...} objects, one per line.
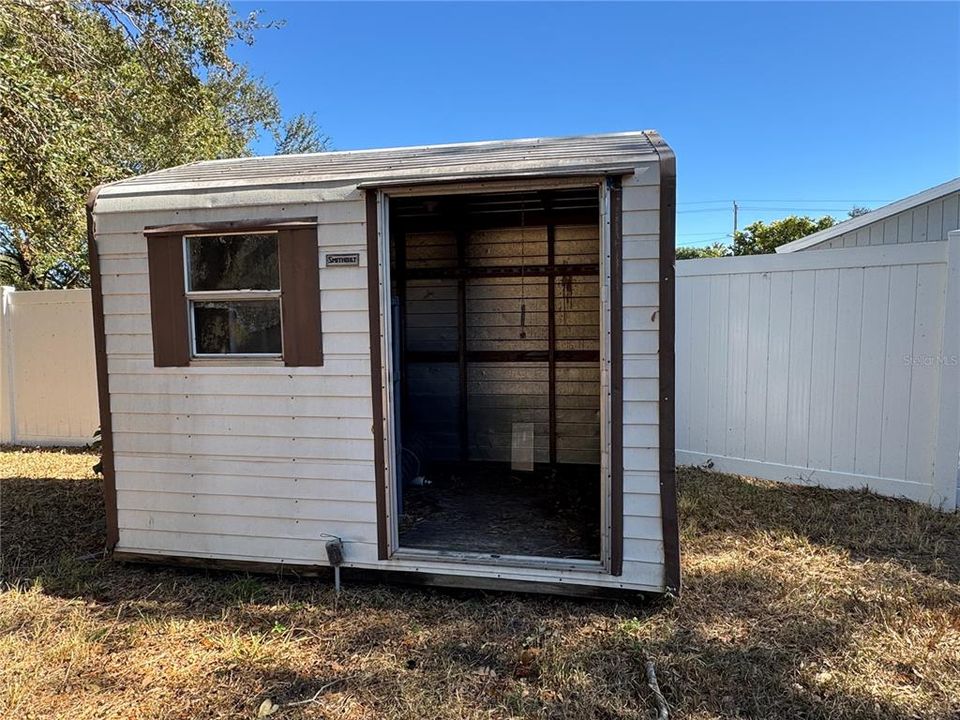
[{"x": 568, "y": 172}]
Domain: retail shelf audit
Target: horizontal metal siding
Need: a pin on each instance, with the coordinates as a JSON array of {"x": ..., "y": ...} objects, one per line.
[
  {"x": 213, "y": 457},
  {"x": 642, "y": 528}
]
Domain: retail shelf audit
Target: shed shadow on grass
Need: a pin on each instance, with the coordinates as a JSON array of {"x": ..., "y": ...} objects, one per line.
[{"x": 41, "y": 519}]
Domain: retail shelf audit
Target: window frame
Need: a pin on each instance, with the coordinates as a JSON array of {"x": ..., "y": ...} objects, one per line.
[{"x": 193, "y": 296}]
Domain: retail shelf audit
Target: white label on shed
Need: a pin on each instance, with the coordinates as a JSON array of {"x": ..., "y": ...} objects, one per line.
[{"x": 342, "y": 259}]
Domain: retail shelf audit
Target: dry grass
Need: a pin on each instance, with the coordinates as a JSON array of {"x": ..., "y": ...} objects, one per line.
[{"x": 798, "y": 602}]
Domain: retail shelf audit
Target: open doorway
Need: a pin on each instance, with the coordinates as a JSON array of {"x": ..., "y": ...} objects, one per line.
[{"x": 496, "y": 332}]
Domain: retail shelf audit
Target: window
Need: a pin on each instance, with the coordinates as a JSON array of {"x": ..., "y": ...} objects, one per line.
[
  {"x": 234, "y": 291},
  {"x": 233, "y": 294}
]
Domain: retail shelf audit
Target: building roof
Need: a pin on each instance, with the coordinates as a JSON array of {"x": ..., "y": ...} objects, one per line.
[
  {"x": 882, "y": 213},
  {"x": 533, "y": 156}
]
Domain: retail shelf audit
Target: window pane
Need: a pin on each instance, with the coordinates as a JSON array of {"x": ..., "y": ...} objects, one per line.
[
  {"x": 241, "y": 326},
  {"x": 233, "y": 262}
]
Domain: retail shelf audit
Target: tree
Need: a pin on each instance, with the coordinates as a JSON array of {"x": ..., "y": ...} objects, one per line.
[
  {"x": 95, "y": 90},
  {"x": 857, "y": 211},
  {"x": 761, "y": 237},
  {"x": 716, "y": 250},
  {"x": 300, "y": 134}
]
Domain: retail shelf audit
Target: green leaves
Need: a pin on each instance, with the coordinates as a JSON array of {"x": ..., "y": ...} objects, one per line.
[
  {"x": 300, "y": 134},
  {"x": 92, "y": 91},
  {"x": 761, "y": 237},
  {"x": 688, "y": 252}
]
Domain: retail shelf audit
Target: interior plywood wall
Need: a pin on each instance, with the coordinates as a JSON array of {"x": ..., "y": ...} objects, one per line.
[{"x": 502, "y": 314}]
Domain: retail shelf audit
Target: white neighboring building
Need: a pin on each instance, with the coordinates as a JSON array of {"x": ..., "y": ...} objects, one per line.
[{"x": 925, "y": 217}]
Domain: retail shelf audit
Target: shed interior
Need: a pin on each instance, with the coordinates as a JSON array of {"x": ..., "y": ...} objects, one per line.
[{"x": 496, "y": 317}]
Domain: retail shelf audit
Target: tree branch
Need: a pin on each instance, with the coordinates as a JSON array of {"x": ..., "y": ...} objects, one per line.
[{"x": 663, "y": 710}]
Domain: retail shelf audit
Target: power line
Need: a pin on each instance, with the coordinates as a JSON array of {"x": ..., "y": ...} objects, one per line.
[
  {"x": 704, "y": 210},
  {"x": 704, "y": 243},
  {"x": 794, "y": 201},
  {"x": 759, "y": 208},
  {"x": 876, "y": 202},
  {"x": 765, "y": 208}
]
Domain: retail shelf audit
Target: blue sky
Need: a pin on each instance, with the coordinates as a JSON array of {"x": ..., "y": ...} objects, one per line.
[{"x": 788, "y": 108}]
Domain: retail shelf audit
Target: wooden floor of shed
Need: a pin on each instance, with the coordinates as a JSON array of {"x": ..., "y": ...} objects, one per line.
[{"x": 484, "y": 507}]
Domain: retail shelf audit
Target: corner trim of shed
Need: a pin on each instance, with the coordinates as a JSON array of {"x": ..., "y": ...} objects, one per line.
[
  {"x": 376, "y": 367},
  {"x": 103, "y": 390},
  {"x": 615, "y": 192},
  {"x": 668, "y": 464}
]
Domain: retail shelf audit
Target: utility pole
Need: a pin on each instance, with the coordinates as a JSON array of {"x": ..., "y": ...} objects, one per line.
[{"x": 735, "y": 209}]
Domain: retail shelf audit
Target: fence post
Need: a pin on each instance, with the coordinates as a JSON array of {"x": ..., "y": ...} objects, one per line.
[
  {"x": 948, "y": 432},
  {"x": 8, "y": 423}
]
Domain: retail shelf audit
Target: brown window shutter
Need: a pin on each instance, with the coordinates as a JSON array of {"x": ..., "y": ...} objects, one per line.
[
  {"x": 300, "y": 297},
  {"x": 168, "y": 302}
]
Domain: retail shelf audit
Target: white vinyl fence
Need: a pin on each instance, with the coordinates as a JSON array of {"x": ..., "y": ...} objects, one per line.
[
  {"x": 831, "y": 367},
  {"x": 48, "y": 378}
]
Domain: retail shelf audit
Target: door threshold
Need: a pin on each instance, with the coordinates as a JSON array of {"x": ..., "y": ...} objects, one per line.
[{"x": 532, "y": 562}]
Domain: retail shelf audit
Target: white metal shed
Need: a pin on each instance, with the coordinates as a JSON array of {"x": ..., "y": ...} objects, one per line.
[{"x": 457, "y": 360}]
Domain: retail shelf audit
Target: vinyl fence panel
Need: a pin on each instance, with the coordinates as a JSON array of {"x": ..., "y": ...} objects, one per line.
[
  {"x": 48, "y": 380},
  {"x": 823, "y": 368}
]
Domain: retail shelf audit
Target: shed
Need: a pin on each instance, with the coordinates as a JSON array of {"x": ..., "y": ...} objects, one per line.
[{"x": 455, "y": 359}]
